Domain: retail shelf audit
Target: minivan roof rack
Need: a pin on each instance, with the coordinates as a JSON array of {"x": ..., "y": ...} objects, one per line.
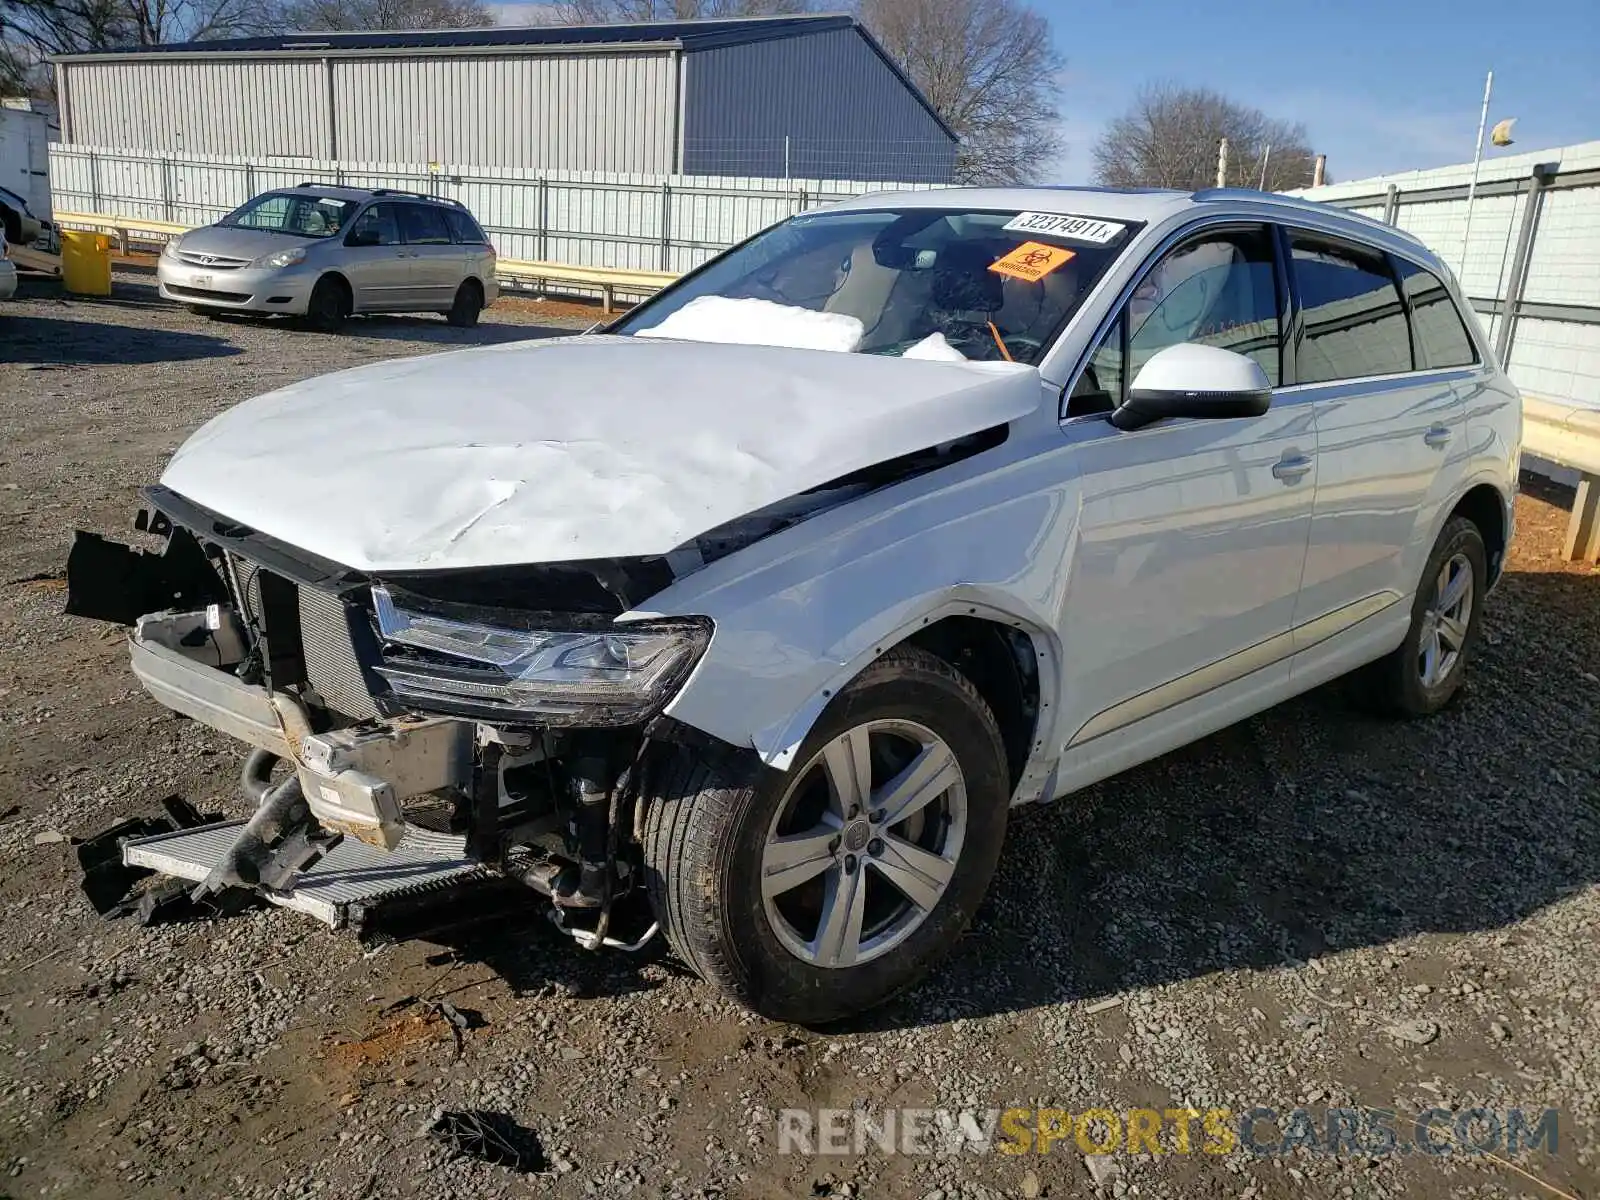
[{"x": 417, "y": 196}]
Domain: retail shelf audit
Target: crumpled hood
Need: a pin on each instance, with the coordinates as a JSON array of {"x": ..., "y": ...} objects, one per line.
[{"x": 571, "y": 448}]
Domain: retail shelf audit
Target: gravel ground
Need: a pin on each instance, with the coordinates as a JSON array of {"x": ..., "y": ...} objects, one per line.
[{"x": 1312, "y": 908}]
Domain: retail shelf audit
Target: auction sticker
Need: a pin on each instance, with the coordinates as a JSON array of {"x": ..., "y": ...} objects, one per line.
[
  {"x": 1032, "y": 261},
  {"x": 1081, "y": 229}
]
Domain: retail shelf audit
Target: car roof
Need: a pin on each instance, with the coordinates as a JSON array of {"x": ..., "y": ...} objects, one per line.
[
  {"x": 341, "y": 192},
  {"x": 1146, "y": 205}
]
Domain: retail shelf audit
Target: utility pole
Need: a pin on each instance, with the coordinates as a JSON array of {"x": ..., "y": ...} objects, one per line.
[
  {"x": 1319, "y": 170},
  {"x": 1477, "y": 161},
  {"x": 1222, "y": 162},
  {"x": 1266, "y": 157}
]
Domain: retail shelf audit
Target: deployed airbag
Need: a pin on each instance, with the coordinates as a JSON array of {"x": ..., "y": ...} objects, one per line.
[{"x": 750, "y": 322}]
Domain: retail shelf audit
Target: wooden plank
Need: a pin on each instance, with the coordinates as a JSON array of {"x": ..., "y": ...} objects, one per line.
[{"x": 1583, "y": 530}]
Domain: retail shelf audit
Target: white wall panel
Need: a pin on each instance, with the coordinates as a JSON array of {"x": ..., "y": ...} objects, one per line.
[
  {"x": 602, "y": 112},
  {"x": 200, "y": 106}
]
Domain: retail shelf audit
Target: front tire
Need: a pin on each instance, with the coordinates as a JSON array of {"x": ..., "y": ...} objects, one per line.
[
  {"x": 1428, "y": 669},
  {"x": 820, "y": 892},
  {"x": 329, "y": 305}
]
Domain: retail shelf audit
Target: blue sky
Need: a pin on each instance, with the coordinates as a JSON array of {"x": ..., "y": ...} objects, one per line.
[{"x": 1381, "y": 85}]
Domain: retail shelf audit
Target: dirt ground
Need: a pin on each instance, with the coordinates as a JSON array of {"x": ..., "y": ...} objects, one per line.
[{"x": 1312, "y": 909}]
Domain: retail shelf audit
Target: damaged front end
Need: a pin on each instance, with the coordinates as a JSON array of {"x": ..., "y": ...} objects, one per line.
[{"x": 412, "y": 731}]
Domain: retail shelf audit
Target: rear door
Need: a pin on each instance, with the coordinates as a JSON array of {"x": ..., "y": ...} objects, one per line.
[
  {"x": 437, "y": 263},
  {"x": 1390, "y": 433},
  {"x": 376, "y": 262}
]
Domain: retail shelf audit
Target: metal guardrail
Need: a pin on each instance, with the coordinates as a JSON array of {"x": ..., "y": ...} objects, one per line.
[
  {"x": 1569, "y": 434},
  {"x": 608, "y": 281}
]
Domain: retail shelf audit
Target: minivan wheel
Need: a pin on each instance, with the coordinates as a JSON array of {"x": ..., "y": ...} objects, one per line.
[
  {"x": 1430, "y": 666},
  {"x": 818, "y": 892},
  {"x": 329, "y": 305},
  {"x": 463, "y": 313}
]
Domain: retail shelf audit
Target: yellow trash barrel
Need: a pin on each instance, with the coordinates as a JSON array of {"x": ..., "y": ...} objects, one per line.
[{"x": 86, "y": 262}]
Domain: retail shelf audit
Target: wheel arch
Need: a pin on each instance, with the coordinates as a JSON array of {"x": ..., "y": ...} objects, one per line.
[
  {"x": 339, "y": 277},
  {"x": 1013, "y": 661},
  {"x": 1488, "y": 508}
]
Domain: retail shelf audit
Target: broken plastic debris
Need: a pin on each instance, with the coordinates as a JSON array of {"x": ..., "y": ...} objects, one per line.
[
  {"x": 751, "y": 322},
  {"x": 488, "y": 1136}
]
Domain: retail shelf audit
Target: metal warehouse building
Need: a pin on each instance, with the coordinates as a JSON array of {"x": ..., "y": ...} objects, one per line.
[{"x": 807, "y": 96}]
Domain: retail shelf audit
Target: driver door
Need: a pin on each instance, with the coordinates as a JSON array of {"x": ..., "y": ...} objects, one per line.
[
  {"x": 1192, "y": 533},
  {"x": 375, "y": 261}
]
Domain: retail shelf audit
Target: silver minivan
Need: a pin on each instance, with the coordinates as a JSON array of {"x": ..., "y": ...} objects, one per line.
[{"x": 324, "y": 253}]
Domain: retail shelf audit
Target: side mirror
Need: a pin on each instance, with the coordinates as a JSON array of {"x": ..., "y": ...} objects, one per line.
[{"x": 1190, "y": 380}]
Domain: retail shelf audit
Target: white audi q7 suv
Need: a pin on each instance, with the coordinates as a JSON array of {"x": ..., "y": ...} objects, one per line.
[{"x": 747, "y": 619}]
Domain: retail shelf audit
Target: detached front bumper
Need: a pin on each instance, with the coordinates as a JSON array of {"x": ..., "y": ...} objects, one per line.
[
  {"x": 356, "y": 780},
  {"x": 246, "y": 289}
]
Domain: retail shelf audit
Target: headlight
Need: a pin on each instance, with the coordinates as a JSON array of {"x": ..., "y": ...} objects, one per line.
[
  {"x": 170, "y": 250},
  {"x": 607, "y": 675},
  {"x": 281, "y": 258}
]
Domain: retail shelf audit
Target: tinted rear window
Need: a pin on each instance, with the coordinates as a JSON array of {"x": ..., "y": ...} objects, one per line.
[
  {"x": 462, "y": 227},
  {"x": 1355, "y": 324},
  {"x": 1442, "y": 339},
  {"x": 423, "y": 224}
]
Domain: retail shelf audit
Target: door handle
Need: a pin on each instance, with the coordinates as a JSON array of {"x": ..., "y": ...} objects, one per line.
[
  {"x": 1291, "y": 467},
  {"x": 1437, "y": 436}
]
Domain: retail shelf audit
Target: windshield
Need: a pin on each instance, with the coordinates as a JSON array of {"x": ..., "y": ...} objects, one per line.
[
  {"x": 918, "y": 282},
  {"x": 300, "y": 213}
]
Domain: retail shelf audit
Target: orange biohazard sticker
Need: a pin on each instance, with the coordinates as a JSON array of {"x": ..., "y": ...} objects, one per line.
[{"x": 1031, "y": 261}]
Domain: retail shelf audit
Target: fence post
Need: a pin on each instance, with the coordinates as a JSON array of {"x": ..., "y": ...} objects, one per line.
[
  {"x": 666, "y": 225},
  {"x": 94, "y": 181},
  {"x": 1391, "y": 204},
  {"x": 249, "y": 182},
  {"x": 544, "y": 219},
  {"x": 166, "y": 189},
  {"x": 1517, "y": 285}
]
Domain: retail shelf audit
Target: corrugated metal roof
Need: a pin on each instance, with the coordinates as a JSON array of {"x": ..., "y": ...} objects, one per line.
[{"x": 689, "y": 35}]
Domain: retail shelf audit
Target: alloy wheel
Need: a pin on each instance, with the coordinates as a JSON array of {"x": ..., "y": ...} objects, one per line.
[
  {"x": 864, "y": 843},
  {"x": 1445, "y": 622}
]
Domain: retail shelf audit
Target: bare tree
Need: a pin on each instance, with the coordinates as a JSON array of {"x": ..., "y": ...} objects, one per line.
[
  {"x": 1169, "y": 139},
  {"x": 387, "y": 14},
  {"x": 34, "y": 28},
  {"x": 605, "y": 12},
  {"x": 989, "y": 69}
]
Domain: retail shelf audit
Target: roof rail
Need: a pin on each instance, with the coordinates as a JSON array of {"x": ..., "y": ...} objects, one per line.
[
  {"x": 417, "y": 196},
  {"x": 1296, "y": 204}
]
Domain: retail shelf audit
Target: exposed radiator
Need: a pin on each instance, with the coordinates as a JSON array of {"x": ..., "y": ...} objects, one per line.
[{"x": 332, "y": 668}]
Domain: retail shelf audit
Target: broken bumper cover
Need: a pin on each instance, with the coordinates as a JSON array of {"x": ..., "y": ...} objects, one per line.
[
  {"x": 210, "y": 696},
  {"x": 354, "y": 779}
]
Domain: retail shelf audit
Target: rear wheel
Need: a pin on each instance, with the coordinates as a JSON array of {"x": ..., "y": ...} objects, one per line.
[
  {"x": 329, "y": 306},
  {"x": 463, "y": 313},
  {"x": 1428, "y": 669},
  {"x": 819, "y": 892}
]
